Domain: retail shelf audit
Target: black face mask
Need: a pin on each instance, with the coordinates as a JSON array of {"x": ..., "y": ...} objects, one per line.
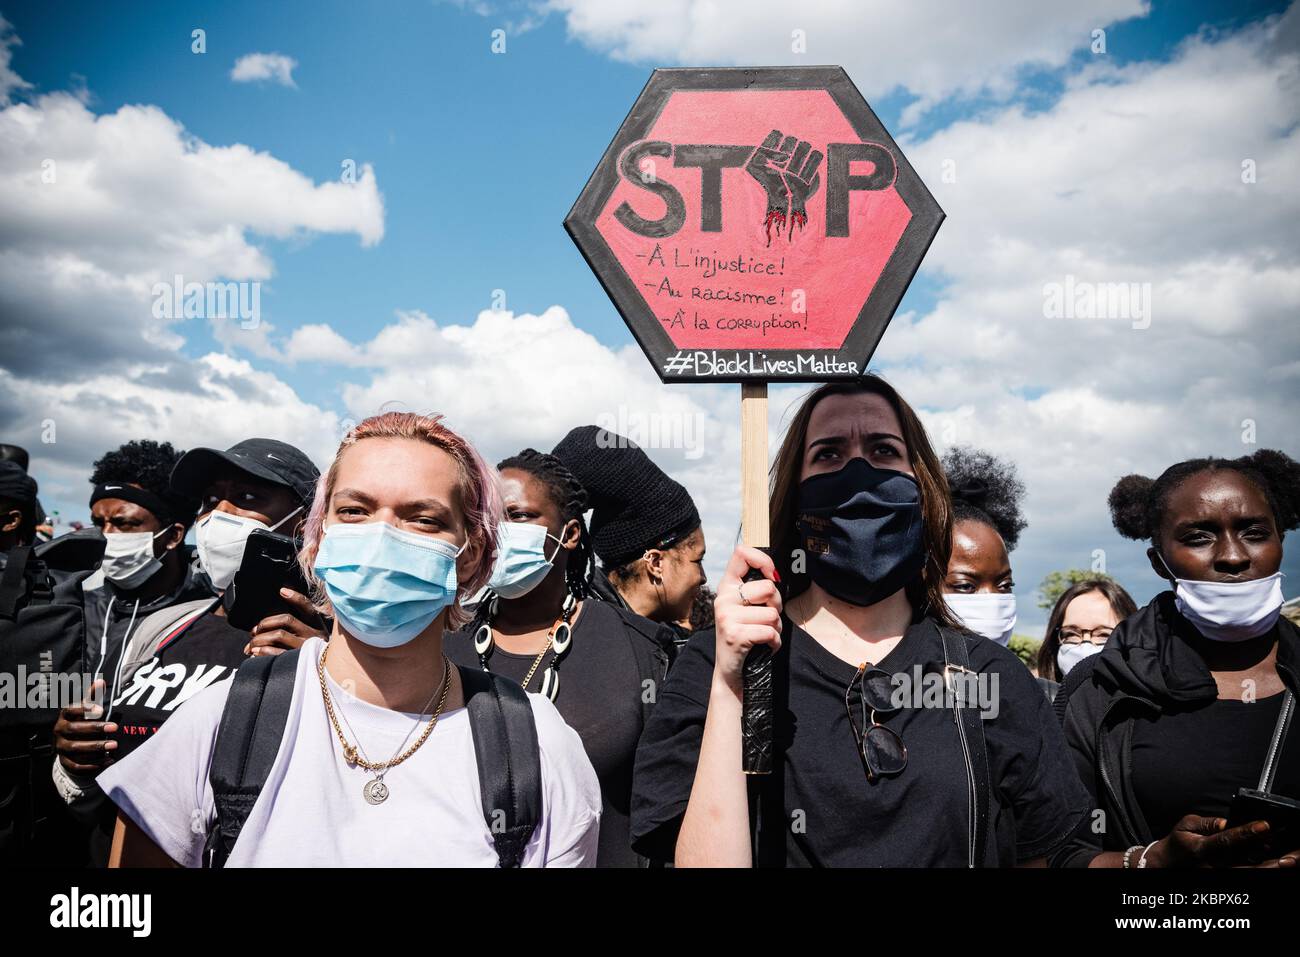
[{"x": 862, "y": 531}]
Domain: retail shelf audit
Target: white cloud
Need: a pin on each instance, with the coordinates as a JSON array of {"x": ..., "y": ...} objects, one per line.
[
  {"x": 96, "y": 209},
  {"x": 932, "y": 48},
  {"x": 259, "y": 67},
  {"x": 212, "y": 401}
]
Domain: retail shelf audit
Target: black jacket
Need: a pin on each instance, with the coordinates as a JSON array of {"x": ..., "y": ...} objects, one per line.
[
  {"x": 110, "y": 618},
  {"x": 1148, "y": 667},
  {"x": 604, "y": 589}
]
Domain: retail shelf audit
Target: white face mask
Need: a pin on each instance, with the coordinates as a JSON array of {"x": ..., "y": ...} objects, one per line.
[
  {"x": 992, "y": 615},
  {"x": 128, "y": 558},
  {"x": 221, "y": 539},
  {"x": 1067, "y": 656},
  {"x": 1228, "y": 611},
  {"x": 1231, "y": 611}
]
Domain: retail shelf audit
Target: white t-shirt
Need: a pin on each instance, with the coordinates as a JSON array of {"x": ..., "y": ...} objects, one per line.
[{"x": 311, "y": 812}]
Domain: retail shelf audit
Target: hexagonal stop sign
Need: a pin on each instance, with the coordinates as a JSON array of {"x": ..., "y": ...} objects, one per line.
[{"x": 754, "y": 224}]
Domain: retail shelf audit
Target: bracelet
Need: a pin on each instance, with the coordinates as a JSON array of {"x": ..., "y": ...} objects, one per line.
[
  {"x": 1129, "y": 854},
  {"x": 1142, "y": 861}
]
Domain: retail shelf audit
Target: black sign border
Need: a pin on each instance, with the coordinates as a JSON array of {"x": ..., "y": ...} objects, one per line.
[{"x": 876, "y": 312}]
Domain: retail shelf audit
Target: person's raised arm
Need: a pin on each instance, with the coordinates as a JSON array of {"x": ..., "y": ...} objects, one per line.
[{"x": 715, "y": 828}]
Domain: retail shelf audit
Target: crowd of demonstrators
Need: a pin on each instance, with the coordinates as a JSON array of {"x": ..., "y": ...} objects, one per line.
[
  {"x": 523, "y": 666},
  {"x": 184, "y": 643},
  {"x": 377, "y": 754},
  {"x": 1189, "y": 699},
  {"x": 852, "y": 595},
  {"x": 645, "y": 529},
  {"x": 539, "y": 624}
]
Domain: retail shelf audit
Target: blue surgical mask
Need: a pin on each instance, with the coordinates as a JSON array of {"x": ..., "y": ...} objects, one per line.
[
  {"x": 386, "y": 585},
  {"x": 521, "y": 558}
]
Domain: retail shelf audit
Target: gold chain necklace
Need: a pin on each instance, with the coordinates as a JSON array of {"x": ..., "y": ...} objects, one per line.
[
  {"x": 558, "y": 640},
  {"x": 550, "y": 640},
  {"x": 375, "y": 790}
]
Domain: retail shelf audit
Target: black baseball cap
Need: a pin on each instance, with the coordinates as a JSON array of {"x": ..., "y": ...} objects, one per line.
[{"x": 276, "y": 462}]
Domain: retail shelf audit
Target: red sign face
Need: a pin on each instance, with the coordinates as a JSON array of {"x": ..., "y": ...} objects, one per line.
[{"x": 754, "y": 224}]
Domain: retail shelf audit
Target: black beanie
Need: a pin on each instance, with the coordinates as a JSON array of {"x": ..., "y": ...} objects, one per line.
[
  {"x": 635, "y": 506},
  {"x": 18, "y": 487}
]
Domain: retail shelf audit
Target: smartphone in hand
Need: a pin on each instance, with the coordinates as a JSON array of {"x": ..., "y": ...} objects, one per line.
[{"x": 270, "y": 563}]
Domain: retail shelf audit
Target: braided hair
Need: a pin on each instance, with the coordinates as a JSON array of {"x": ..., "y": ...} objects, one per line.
[
  {"x": 986, "y": 490},
  {"x": 571, "y": 498},
  {"x": 1138, "y": 504}
]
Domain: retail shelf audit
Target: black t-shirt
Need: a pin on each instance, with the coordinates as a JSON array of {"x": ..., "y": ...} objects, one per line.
[
  {"x": 206, "y": 651},
  {"x": 1192, "y": 761},
  {"x": 602, "y": 689},
  {"x": 819, "y": 809}
]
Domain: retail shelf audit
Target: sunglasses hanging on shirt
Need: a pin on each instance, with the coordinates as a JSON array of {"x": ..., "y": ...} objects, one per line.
[{"x": 882, "y": 749}]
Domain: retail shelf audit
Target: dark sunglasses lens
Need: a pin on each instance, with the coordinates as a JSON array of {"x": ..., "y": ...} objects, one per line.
[
  {"x": 878, "y": 691},
  {"x": 884, "y": 751}
]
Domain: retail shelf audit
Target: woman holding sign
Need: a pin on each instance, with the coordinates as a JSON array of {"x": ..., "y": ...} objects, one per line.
[{"x": 870, "y": 767}]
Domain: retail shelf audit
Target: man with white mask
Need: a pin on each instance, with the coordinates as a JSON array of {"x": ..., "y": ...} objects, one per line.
[
  {"x": 146, "y": 568},
  {"x": 1191, "y": 697},
  {"x": 174, "y": 653}
]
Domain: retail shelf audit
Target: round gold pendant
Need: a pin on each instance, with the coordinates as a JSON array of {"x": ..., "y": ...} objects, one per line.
[{"x": 375, "y": 792}]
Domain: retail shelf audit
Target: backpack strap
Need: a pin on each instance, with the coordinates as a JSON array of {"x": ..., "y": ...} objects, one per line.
[
  {"x": 508, "y": 758},
  {"x": 13, "y": 585},
  {"x": 248, "y": 740},
  {"x": 970, "y": 729}
]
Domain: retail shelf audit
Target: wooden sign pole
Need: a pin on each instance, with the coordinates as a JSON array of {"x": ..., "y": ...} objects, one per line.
[
  {"x": 753, "y": 465},
  {"x": 755, "y": 532}
]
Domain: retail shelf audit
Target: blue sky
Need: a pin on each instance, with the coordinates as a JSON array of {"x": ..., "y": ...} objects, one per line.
[{"x": 479, "y": 156}]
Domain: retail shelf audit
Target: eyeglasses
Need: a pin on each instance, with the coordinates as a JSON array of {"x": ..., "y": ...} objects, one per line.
[
  {"x": 882, "y": 749},
  {"x": 1077, "y": 636}
]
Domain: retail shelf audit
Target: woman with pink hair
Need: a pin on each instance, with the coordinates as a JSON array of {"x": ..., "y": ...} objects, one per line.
[{"x": 378, "y": 762}]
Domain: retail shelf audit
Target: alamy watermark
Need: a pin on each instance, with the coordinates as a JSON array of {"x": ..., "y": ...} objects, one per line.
[
  {"x": 75, "y": 910},
  {"x": 1074, "y": 299},
  {"x": 45, "y": 689},
  {"x": 209, "y": 300},
  {"x": 929, "y": 689},
  {"x": 652, "y": 430}
]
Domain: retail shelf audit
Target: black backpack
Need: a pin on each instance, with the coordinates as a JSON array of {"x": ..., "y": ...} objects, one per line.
[
  {"x": 42, "y": 629},
  {"x": 42, "y": 636},
  {"x": 505, "y": 745}
]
